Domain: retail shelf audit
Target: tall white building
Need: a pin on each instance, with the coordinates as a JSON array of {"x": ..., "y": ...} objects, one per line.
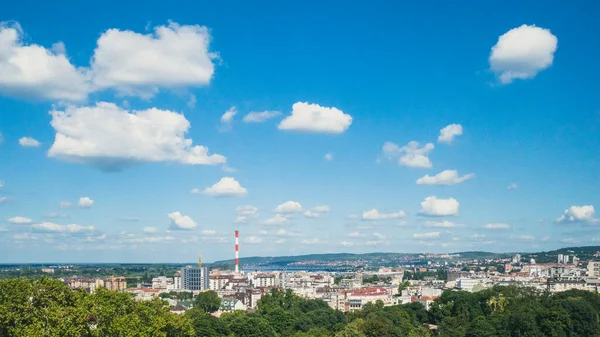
[
  {"x": 560, "y": 258},
  {"x": 594, "y": 269},
  {"x": 194, "y": 278}
]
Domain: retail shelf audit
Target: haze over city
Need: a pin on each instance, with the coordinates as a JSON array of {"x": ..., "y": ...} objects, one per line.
[{"x": 347, "y": 129}]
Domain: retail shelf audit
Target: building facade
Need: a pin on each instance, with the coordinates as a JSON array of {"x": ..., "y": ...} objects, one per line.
[{"x": 194, "y": 278}]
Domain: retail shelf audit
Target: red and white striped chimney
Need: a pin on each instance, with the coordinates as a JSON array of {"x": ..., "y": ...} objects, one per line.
[{"x": 237, "y": 253}]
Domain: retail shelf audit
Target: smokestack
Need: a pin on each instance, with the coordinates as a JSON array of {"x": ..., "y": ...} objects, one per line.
[{"x": 237, "y": 253}]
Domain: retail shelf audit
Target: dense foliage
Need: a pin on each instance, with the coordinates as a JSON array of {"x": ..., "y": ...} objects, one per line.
[{"x": 46, "y": 307}]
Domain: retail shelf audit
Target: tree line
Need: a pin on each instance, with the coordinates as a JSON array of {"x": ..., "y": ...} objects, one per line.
[{"x": 47, "y": 307}]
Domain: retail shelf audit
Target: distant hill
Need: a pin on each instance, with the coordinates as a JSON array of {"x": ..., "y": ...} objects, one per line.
[{"x": 375, "y": 259}]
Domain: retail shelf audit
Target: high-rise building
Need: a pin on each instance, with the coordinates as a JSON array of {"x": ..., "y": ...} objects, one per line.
[
  {"x": 194, "y": 278},
  {"x": 560, "y": 258}
]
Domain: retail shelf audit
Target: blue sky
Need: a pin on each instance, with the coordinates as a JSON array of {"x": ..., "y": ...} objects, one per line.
[{"x": 126, "y": 136}]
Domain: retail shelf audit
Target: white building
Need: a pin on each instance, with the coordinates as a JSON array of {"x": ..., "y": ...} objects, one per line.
[
  {"x": 593, "y": 270},
  {"x": 162, "y": 282},
  {"x": 467, "y": 283}
]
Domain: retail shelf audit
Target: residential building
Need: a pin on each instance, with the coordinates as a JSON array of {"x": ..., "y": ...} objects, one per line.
[
  {"x": 593, "y": 270},
  {"x": 194, "y": 278}
]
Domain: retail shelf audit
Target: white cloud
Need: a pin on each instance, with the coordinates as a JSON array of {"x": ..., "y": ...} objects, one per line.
[
  {"x": 377, "y": 242},
  {"x": 313, "y": 241},
  {"x": 578, "y": 214},
  {"x": 151, "y": 239},
  {"x": 56, "y": 215},
  {"x": 139, "y": 64},
  {"x": 410, "y": 155},
  {"x": 283, "y": 232},
  {"x": 497, "y": 226},
  {"x": 227, "y": 117},
  {"x": 28, "y": 142},
  {"x": 90, "y": 135},
  {"x": 208, "y": 232},
  {"x": 376, "y": 215},
  {"x": 329, "y": 156},
  {"x": 33, "y": 71},
  {"x": 179, "y": 221},
  {"x": 321, "y": 209},
  {"x": 226, "y": 187},
  {"x": 276, "y": 219},
  {"x": 446, "y": 177},
  {"x": 247, "y": 210},
  {"x": 1, "y": 183},
  {"x": 65, "y": 204},
  {"x": 526, "y": 238},
  {"x": 259, "y": 117},
  {"x": 23, "y": 236},
  {"x": 512, "y": 186},
  {"x": 85, "y": 202},
  {"x": 431, "y": 235},
  {"x": 356, "y": 235},
  {"x": 19, "y": 220},
  {"x": 195, "y": 191},
  {"x": 52, "y": 227},
  {"x": 311, "y": 214},
  {"x": 279, "y": 241},
  {"x": 4, "y": 199},
  {"x": 432, "y": 206},
  {"x": 439, "y": 224},
  {"x": 289, "y": 207},
  {"x": 569, "y": 240},
  {"x": 379, "y": 236},
  {"x": 150, "y": 230},
  {"x": 448, "y": 133},
  {"x": 347, "y": 243},
  {"x": 315, "y": 118},
  {"x": 522, "y": 52},
  {"x": 252, "y": 239}
]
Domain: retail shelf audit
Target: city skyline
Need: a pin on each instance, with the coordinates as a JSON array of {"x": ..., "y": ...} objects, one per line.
[{"x": 151, "y": 135}]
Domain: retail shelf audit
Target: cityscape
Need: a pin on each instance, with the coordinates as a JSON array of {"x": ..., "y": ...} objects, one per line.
[{"x": 299, "y": 169}]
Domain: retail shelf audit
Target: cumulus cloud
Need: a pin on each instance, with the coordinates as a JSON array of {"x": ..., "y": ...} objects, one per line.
[
  {"x": 446, "y": 177},
  {"x": 497, "y": 226},
  {"x": 226, "y": 187},
  {"x": 247, "y": 210},
  {"x": 578, "y": 214},
  {"x": 329, "y": 156},
  {"x": 252, "y": 239},
  {"x": 311, "y": 214},
  {"x": 52, "y": 227},
  {"x": 432, "y": 206},
  {"x": 259, "y": 117},
  {"x": 90, "y": 135},
  {"x": 410, "y": 155},
  {"x": 19, "y": 220},
  {"x": 28, "y": 142},
  {"x": 150, "y": 230},
  {"x": 277, "y": 219},
  {"x": 512, "y": 186},
  {"x": 33, "y": 71},
  {"x": 356, "y": 235},
  {"x": 289, "y": 207},
  {"x": 227, "y": 117},
  {"x": 526, "y": 238},
  {"x": 522, "y": 52},
  {"x": 245, "y": 213},
  {"x": 439, "y": 224},
  {"x": 315, "y": 118},
  {"x": 179, "y": 221},
  {"x": 430, "y": 235},
  {"x": 85, "y": 202},
  {"x": 448, "y": 133},
  {"x": 376, "y": 215},
  {"x": 140, "y": 64}
]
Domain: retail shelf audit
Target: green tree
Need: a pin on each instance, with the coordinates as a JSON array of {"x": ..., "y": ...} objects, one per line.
[{"x": 208, "y": 301}]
